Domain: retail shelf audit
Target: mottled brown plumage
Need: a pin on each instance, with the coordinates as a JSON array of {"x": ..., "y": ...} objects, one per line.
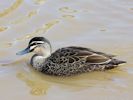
[{"x": 74, "y": 60}]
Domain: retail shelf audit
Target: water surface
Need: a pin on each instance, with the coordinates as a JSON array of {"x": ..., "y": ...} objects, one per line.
[{"x": 98, "y": 24}]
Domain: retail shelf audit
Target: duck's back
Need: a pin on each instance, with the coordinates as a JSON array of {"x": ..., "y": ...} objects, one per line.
[{"x": 74, "y": 60}]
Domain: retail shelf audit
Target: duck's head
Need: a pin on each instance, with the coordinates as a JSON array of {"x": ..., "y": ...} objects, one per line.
[{"x": 38, "y": 45}]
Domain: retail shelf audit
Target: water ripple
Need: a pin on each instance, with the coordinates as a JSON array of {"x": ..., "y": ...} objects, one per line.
[{"x": 10, "y": 9}]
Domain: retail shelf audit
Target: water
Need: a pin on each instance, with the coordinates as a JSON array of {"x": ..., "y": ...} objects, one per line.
[{"x": 99, "y": 24}]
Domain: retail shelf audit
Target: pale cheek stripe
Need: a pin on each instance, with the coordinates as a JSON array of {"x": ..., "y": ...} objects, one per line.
[
  {"x": 32, "y": 47},
  {"x": 36, "y": 42}
]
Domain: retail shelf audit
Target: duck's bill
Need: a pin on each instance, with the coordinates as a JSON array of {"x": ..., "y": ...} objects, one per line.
[{"x": 25, "y": 51}]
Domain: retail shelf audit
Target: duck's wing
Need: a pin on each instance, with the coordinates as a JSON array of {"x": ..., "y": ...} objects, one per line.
[
  {"x": 84, "y": 53},
  {"x": 93, "y": 51}
]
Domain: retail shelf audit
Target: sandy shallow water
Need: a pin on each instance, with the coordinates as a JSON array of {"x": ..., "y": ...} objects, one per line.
[{"x": 104, "y": 25}]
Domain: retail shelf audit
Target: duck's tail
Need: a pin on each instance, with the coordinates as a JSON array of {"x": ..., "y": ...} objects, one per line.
[
  {"x": 117, "y": 62},
  {"x": 114, "y": 63}
]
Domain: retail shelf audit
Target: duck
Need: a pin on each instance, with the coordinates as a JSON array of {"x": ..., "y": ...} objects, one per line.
[{"x": 67, "y": 61}]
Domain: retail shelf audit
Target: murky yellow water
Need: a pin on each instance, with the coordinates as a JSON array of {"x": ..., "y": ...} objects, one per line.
[{"x": 105, "y": 25}]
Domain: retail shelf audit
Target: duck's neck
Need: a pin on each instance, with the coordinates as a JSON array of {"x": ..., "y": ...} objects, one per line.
[{"x": 38, "y": 60}]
